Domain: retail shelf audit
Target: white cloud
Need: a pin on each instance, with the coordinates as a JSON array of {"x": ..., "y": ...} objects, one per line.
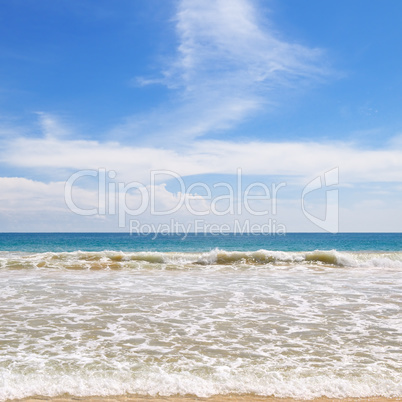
[
  {"x": 228, "y": 39},
  {"x": 304, "y": 160},
  {"x": 51, "y": 127},
  {"x": 21, "y": 195},
  {"x": 228, "y": 64},
  {"x": 27, "y": 205}
]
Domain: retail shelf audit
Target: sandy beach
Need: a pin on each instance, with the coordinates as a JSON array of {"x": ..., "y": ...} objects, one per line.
[{"x": 217, "y": 398}]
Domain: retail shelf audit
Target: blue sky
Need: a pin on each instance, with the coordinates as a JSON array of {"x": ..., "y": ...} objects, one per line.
[{"x": 285, "y": 90}]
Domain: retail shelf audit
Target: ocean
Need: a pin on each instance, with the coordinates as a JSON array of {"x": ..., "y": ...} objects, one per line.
[{"x": 295, "y": 315}]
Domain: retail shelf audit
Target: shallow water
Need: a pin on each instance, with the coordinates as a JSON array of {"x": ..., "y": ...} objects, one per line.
[{"x": 290, "y": 324}]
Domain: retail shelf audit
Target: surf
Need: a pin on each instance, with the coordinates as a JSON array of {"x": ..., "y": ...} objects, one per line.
[{"x": 107, "y": 259}]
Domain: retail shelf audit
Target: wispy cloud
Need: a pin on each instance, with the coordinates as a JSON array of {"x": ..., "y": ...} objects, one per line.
[
  {"x": 228, "y": 64},
  {"x": 298, "y": 159},
  {"x": 51, "y": 127},
  {"x": 227, "y": 39}
]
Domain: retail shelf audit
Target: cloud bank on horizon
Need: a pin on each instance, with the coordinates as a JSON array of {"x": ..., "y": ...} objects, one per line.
[{"x": 229, "y": 71}]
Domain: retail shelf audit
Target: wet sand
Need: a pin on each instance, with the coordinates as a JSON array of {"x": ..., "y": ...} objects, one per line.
[{"x": 217, "y": 398}]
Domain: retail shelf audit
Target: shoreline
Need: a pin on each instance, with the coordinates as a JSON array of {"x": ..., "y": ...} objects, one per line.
[{"x": 214, "y": 398}]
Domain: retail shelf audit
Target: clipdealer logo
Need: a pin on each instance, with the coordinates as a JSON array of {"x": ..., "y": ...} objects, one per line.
[
  {"x": 327, "y": 181},
  {"x": 236, "y": 200}
]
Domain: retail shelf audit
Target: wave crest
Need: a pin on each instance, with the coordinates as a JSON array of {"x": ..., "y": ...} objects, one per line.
[{"x": 82, "y": 260}]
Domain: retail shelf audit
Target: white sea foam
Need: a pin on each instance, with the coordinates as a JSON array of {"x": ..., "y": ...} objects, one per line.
[
  {"x": 225, "y": 381},
  {"x": 290, "y": 324},
  {"x": 162, "y": 260}
]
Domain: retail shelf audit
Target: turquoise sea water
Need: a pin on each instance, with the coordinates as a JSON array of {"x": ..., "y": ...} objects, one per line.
[
  {"x": 56, "y": 242},
  {"x": 295, "y": 315}
]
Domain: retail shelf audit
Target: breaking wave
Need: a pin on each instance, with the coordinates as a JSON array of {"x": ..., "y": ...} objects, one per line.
[{"x": 116, "y": 260}]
